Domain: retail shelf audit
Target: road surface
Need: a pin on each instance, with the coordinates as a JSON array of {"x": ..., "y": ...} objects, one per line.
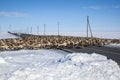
[{"x": 111, "y": 53}]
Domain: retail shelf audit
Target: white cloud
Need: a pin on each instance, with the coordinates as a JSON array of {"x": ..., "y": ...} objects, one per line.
[
  {"x": 12, "y": 14},
  {"x": 102, "y": 7},
  {"x": 93, "y": 7},
  {"x": 116, "y": 6}
]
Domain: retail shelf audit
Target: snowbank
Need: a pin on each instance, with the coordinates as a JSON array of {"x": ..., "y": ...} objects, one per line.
[
  {"x": 114, "y": 45},
  {"x": 50, "y": 65},
  {"x": 2, "y": 60}
]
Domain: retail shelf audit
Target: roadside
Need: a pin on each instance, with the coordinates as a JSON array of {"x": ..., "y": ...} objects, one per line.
[{"x": 111, "y": 53}]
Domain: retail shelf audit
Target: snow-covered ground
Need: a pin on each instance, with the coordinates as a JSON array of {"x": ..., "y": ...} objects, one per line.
[
  {"x": 5, "y": 35},
  {"x": 109, "y": 35},
  {"x": 56, "y": 65},
  {"x": 114, "y": 45}
]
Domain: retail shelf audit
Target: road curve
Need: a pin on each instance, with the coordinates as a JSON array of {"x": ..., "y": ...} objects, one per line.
[{"x": 111, "y": 53}]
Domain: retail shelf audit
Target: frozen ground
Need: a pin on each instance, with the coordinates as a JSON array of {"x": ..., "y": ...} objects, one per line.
[
  {"x": 114, "y": 45},
  {"x": 56, "y": 65},
  {"x": 110, "y": 35},
  {"x": 5, "y": 35}
]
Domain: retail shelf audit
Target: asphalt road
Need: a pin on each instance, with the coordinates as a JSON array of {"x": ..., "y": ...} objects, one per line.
[{"x": 111, "y": 53}]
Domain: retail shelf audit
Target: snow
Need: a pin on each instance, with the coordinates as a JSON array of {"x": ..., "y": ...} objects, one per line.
[
  {"x": 115, "y": 45},
  {"x": 109, "y": 35},
  {"x": 56, "y": 65},
  {"x": 2, "y": 61},
  {"x": 5, "y": 35}
]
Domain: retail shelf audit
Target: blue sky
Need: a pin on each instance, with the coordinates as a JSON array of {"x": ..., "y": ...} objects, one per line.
[{"x": 20, "y": 14}]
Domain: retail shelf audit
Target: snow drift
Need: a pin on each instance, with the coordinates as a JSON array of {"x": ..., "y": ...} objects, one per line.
[{"x": 54, "y": 65}]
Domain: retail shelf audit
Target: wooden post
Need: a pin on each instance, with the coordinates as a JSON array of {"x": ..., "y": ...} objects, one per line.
[
  {"x": 44, "y": 29},
  {"x": 38, "y": 30},
  {"x": 89, "y": 27},
  {"x": 58, "y": 28}
]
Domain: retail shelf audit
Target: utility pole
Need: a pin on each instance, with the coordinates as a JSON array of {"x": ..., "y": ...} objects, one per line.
[
  {"x": 90, "y": 31},
  {"x": 9, "y": 28},
  {"x": 89, "y": 27},
  {"x": 0, "y": 29},
  {"x": 38, "y": 30},
  {"x": 27, "y": 30},
  {"x": 44, "y": 29},
  {"x": 58, "y": 28},
  {"x": 58, "y": 35},
  {"x": 31, "y": 30}
]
